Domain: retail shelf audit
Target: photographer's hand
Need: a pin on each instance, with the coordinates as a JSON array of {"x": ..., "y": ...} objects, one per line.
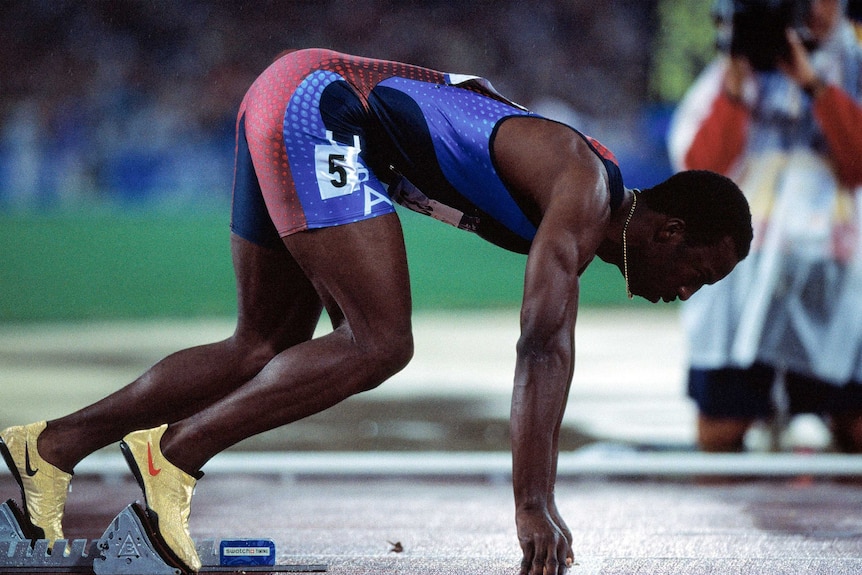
[
  {"x": 737, "y": 74},
  {"x": 797, "y": 66}
]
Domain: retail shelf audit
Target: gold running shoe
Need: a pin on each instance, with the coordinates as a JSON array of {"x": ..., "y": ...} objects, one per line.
[
  {"x": 43, "y": 487},
  {"x": 167, "y": 492}
]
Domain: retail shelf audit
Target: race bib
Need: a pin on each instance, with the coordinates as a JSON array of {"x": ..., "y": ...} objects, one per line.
[{"x": 337, "y": 168}]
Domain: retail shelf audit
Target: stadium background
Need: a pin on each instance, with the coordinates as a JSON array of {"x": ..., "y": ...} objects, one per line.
[
  {"x": 116, "y": 132},
  {"x": 115, "y": 162}
]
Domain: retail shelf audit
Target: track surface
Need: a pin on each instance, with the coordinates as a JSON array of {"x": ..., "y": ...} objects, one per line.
[
  {"x": 627, "y": 396},
  {"x": 465, "y": 526}
]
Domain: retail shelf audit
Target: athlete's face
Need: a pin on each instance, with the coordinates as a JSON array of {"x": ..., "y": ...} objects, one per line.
[{"x": 669, "y": 269}]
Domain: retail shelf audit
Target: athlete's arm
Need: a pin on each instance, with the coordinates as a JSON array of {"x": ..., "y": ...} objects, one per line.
[
  {"x": 549, "y": 166},
  {"x": 566, "y": 241}
]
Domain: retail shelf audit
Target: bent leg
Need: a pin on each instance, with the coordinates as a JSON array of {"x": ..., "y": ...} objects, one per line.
[
  {"x": 360, "y": 271},
  {"x": 277, "y": 308}
]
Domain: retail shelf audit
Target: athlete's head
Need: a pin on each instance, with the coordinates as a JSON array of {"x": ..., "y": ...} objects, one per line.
[
  {"x": 711, "y": 205},
  {"x": 699, "y": 229}
]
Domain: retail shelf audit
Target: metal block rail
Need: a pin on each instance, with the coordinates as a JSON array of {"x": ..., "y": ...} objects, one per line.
[{"x": 126, "y": 548}]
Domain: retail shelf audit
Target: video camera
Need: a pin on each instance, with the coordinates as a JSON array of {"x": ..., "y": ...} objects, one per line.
[{"x": 757, "y": 29}]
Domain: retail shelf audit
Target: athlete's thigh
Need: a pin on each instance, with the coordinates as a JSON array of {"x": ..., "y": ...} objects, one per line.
[
  {"x": 362, "y": 269},
  {"x": 306, "y": 181},
  {"x": 275, "y": 300}
]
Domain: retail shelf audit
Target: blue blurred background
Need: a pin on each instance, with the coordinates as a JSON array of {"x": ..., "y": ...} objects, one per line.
[{"x": 117, "y": 118}]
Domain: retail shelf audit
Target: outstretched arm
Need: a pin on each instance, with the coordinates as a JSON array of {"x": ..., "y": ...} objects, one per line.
[
  {"x": 551, "y": 167},
  {"x": 543, "y": 374}
]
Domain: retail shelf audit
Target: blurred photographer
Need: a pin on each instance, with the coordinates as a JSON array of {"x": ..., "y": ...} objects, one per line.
[{"x": 780, "y": 112}]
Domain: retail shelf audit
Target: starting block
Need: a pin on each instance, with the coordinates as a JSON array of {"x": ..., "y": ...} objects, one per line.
[
  {"x": 128, "y": 547},
  {"x": 19, "y": 553}
]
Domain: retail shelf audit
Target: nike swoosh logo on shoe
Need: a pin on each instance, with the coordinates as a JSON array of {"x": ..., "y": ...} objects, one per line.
[
  {"x": 27, "y": 467},
  {"x": 153, "y": 470}
]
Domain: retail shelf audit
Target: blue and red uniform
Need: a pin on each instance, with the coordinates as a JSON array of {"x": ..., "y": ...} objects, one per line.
[{"x": 326, "y": 139}]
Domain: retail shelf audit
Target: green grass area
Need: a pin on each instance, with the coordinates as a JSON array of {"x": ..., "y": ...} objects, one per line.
[{"x": 109, "y": 265}]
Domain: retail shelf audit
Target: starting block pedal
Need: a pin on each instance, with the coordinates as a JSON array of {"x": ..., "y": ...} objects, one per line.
[
  {"x": 128, "y": 547},
  {"x": 20, "y": 554}
]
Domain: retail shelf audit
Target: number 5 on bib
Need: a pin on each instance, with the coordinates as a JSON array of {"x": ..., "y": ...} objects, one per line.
[{"x": 337, "y": 167}]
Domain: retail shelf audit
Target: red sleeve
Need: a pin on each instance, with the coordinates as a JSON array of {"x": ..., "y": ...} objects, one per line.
[
  {"x": 721, "y": 137},
  {"x": 840, "y": 118}
]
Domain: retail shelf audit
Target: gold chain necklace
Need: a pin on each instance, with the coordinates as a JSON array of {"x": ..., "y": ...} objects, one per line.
[{"x": 625, "y": 250}]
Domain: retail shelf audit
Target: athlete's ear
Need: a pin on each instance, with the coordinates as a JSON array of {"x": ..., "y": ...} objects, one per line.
[{"x": 670, "y": 229}]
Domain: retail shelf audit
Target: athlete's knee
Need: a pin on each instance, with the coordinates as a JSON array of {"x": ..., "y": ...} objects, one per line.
[
  {"x": 394, "y": 352},
  {"x": 386, "y": 354},
  {"x": 401, "y": 350}
]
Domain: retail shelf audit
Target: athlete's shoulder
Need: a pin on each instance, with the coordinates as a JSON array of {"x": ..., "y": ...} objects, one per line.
[{"x": 548, "y": 162}]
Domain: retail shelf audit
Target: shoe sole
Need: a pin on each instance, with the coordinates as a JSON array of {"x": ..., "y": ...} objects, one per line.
[
  {"x": 151, "y": 529},
  {"x": 30, "y": 530},
  {"x": 151, "y": 519}
]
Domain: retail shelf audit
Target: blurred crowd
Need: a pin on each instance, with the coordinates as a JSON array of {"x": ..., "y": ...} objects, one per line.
[{"x": 133, "y": 102}]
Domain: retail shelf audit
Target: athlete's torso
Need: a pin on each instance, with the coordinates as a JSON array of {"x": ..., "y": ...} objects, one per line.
[
  {"x": 429, "y": 136},
  {"x": 441, "y": 137}
]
